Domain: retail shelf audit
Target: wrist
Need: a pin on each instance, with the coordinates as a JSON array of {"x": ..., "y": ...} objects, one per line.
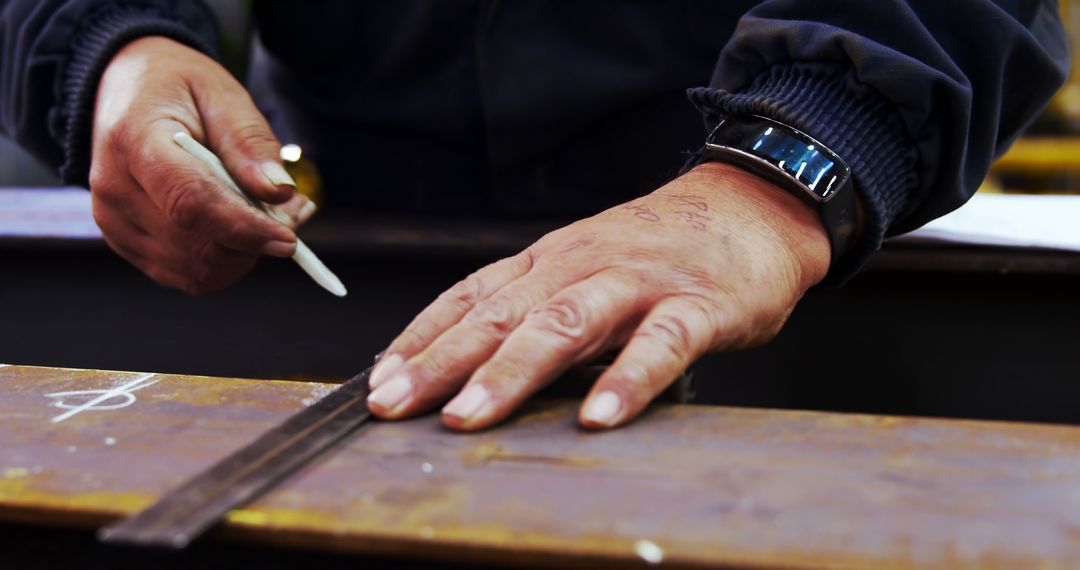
[
  {"x": 798, "y": 228},
  {"x": 101, "y": 35}
]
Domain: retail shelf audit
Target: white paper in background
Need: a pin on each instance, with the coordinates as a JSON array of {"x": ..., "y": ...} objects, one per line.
[
  {"x": 47, "y": 212},
  {"x": 1011, "y": 220}
]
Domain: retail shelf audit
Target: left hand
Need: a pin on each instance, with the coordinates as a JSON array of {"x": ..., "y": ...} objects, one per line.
[{"x": 714, "y": 260}]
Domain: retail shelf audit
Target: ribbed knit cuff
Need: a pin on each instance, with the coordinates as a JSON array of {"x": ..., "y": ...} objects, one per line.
[
  {"x": 101, "y": 35},
  {"x": 854, "y": 121}
]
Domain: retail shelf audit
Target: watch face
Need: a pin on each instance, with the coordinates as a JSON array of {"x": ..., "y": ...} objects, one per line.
[{"x": 802, "y": 158}]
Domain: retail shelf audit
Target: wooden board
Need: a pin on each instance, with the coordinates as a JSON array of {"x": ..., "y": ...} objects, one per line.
[{"x": 695, "y": 486}]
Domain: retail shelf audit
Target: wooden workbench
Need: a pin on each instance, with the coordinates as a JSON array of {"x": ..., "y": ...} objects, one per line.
[{"x": 684, "y": 486}]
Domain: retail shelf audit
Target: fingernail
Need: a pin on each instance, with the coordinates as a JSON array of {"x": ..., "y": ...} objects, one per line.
[
  {"x": 384, "y": 369},
  {"x": 306, "y": 212},
  {"x": 279, "y": 248},
  {"x": 604, "y": 409},
  {"x": 468, "y": 403},
  {"x": 276, "y": 174},
  {"x": 392, "y": 394}
]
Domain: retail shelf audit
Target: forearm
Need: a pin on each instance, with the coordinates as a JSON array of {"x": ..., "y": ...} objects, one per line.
[{"x": 896, "y": 90}]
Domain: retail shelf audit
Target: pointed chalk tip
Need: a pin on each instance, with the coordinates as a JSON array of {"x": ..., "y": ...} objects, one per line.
[{"x": 334, "y": 285}]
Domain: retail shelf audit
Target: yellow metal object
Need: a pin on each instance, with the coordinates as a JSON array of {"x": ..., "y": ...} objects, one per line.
[
  {"x": 1041, "y": 155},
  {"x": 1048, "y": 164},
  {"x": 304, "y": 171},
  {"x": 1066, "y": 103},
  {"x": 1037, "y": 165}
]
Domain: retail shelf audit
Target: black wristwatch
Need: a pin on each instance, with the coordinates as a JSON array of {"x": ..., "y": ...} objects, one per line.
[{"x": 795, "y": 161}]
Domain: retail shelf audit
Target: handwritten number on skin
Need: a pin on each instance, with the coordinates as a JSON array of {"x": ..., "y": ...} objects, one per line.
[
  {"x": 694, "y": 220},
  {"x": 696, "y": 202},
  {"x": 643, "y": 212}
]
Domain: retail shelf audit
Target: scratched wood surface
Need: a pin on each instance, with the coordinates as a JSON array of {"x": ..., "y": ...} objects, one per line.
[{"x": 684, "y": 486}]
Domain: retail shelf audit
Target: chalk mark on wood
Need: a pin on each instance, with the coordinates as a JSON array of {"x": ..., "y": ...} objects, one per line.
[{"x": 123, "y": 391}]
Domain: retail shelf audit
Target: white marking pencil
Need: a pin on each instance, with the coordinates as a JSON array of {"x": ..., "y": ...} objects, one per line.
[{"x": 304, "y": 257}]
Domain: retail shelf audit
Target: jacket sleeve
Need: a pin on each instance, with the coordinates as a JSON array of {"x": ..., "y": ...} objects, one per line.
[
  {"x": 54, "y": 53},
  {"x": 918, "y": 96}
]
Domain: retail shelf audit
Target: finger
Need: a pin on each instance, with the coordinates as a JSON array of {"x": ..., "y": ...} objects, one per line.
[
  {"x": 134, "y": 206},
  {"x": 447, "y": 310},
  {"x": 161, "y": 262},
  {"x": 186, "y": 192},
  {"x": 207, "y": 265},
  {"x": 171, "y": 269},
  {"x": 295, "y": 212},
  {"x": 241, "y": 137},
  {"x": 200, "y": 253},
  {"x": 197, "y": 254},
  {"x": 676, "y": 332},
  {"x": 570, "y": 327},
  {"x": 431, "y": 376},
  {"x": 122, "y": 239},
  {"x": 158, "y": 273}
]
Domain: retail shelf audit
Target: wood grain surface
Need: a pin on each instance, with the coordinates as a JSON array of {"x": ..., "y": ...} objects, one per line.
[{"x": 685, "y": 486}]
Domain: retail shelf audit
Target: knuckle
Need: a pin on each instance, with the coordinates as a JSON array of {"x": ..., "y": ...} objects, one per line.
[
  {"x": 102, "y": 216},
  {"x": 415, "y": 338},
  {"x": 183, "y": 204},
  {"x": 465, "y": 293},
  {"x": 526, "y": 260},
  {"x": 434, "y": 367},
  {"x": 250, "y": 134},
  {"x": 499, "y": 314},
  {"x": 566, "y": 317},
  {"x": 672, "y": 333},
  {"x": 203, "y": 254},
  {"x": 123, "y": 137},
  {"x": 105, "y": 189},
  {"x": 101, "y": 184}
]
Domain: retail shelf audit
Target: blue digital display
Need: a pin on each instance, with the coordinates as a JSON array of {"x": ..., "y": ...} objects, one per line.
[{"x": 800, "y": 157}]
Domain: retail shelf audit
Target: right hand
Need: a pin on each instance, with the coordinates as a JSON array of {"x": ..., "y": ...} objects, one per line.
[{"x": 159, "y": 207}]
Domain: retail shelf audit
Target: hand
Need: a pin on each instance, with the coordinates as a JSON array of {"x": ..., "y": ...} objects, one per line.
[
  {"x": 159, "y": 207},
  {"x": 715, "y": 260}
]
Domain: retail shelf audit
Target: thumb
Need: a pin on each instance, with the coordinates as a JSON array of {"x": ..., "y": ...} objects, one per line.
[{"x": 241, "y": 137}]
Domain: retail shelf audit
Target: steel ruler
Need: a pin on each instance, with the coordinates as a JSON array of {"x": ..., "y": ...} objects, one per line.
[{"x": 186, "y": 512}]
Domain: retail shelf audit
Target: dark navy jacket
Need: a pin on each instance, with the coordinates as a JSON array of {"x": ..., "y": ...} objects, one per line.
[{"x": 562, "y": 108}]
